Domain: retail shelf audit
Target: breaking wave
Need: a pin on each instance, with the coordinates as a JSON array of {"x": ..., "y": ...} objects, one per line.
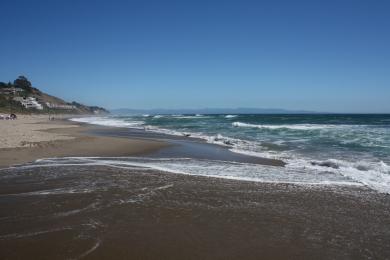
[
  {"x": 109, "y": 121},
  {"x": 293, "y": 127},
  {"x": 357, "y": 152}
]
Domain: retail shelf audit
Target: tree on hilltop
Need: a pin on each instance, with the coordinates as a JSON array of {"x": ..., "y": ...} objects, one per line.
[
  {"x": 6, "y": 85},
  {"x": 23, "y": 83}
]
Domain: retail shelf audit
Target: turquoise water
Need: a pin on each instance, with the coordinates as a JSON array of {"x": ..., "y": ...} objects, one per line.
[{"x": 355, "y": 146}]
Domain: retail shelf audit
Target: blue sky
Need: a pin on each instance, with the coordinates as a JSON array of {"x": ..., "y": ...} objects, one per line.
[{"x": 315, "y": 55}]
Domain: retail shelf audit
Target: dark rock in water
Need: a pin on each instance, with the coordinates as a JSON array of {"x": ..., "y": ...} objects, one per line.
[
  {"x": 326, "y": 164},
  {"x": 227, "y": 142},
  {"x": 186, "y": 135}
]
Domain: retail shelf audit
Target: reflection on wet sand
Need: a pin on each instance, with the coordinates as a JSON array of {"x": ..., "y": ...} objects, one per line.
[{"x": 95, "y": 211}]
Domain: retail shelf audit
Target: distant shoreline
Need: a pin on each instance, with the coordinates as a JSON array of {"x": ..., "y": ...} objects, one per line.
[{"x": 34, "y": 137}]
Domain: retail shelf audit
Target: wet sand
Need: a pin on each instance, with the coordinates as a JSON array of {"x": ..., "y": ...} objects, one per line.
[
  {"x": 66, "y": 138},
  {"x": 98, "y": 212},
  {"x": 184, "y": 147}
]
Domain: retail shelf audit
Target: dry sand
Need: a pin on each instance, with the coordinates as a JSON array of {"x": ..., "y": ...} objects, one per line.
[
  {"x": 33, "y": 137},
  {"x": 25, "y": 131}
]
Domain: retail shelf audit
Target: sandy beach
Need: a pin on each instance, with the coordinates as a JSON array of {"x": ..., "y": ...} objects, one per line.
[
  {"x": 66, "y": 208},
  {"x": 27, "y": 131},
  {"x": 33, "y": 137}
]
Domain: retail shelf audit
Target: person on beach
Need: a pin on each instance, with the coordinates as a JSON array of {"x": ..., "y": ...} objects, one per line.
[{"x": 9, "y": 117}]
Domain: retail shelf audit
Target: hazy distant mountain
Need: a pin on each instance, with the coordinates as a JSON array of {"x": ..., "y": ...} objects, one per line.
[{"x": 123, "y": 111}]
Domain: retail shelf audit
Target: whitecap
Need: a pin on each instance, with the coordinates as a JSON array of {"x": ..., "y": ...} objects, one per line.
[
  {"x": 292, "y": 126},
  {"x": 109, "y": 121}
]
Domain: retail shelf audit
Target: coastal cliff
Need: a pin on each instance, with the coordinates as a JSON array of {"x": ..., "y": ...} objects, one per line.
[{"x": 22, "y": 97}]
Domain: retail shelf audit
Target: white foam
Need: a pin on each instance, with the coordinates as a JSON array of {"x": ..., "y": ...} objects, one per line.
[
  {"x": 163, "y": 131},
  {"x": 76, "y": 211},
  {"x": 293, "y": 127},
  {"x": 93, "y": 248},
  {"x": 52, "y": 191},
  {"x": 368, "y": 171},
  {"x": 223, "y": 169},
  {"x": 230, "y": 116},
  {"x": 265, "y": 154},
  {"x": 30, "y": 234},
  {"x": 191, "y": 117},
  {"x": 109, "y": 121},
  {"x": 375, "y": 175},
  {"x": 371, "y": 173}
]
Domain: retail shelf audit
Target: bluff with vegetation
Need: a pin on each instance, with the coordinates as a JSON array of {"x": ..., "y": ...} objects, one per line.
[{"x": 22, "y": 88}]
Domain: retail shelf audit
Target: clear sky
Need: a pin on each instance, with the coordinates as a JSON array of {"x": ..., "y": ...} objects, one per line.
[{"x": 314, "y": 55}]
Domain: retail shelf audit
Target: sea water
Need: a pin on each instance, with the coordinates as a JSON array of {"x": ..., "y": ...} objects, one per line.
[{"x": 317, "y": 149}]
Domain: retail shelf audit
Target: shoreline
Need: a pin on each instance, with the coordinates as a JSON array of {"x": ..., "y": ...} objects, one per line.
[
  {"x": 36, "y": 138},
  {"x": 183, "y": 146}
]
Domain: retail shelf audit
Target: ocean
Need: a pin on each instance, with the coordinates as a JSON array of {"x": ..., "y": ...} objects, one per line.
[{"x": 318, "y": 149}]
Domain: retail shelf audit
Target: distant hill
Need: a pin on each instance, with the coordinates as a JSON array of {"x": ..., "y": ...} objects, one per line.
[
  {"x": 21, "y": 88},
  {"x": 124, "y": 111}
]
